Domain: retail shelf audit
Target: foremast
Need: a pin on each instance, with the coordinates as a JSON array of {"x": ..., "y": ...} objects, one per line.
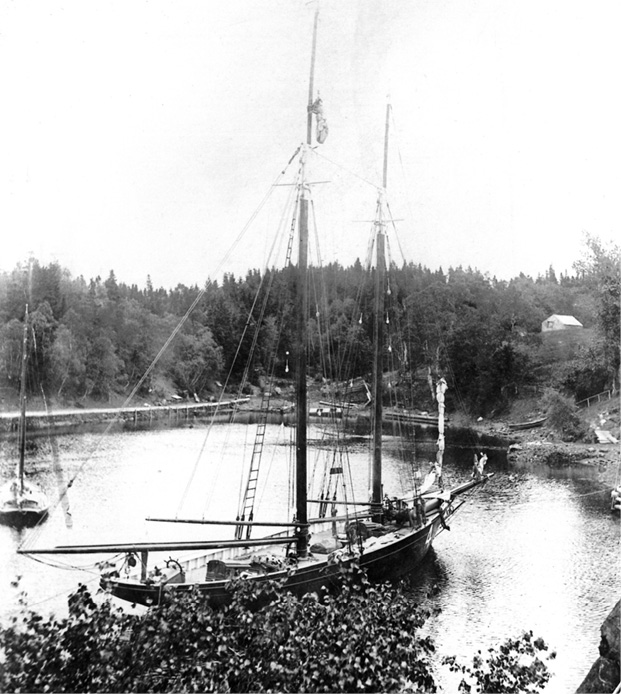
[{"x": 378, "y": 337}]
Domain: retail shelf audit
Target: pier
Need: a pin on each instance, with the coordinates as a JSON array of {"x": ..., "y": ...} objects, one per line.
[{"x": 118, "y": 418}]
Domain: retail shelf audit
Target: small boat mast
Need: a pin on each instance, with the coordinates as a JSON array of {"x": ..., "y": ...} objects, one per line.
[{"x": 22, "y": 405}]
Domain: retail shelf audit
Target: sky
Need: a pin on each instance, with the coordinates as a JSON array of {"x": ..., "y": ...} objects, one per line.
[{"x": 141, "y": 136}]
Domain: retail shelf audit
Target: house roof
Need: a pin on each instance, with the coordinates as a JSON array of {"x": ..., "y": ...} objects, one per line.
[{"x": 566, "y": 320}]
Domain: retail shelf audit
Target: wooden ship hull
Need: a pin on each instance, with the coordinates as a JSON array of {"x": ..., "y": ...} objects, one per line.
[
  {"x": 391, "y": 561},
  {"x": 384, "y": 557}
]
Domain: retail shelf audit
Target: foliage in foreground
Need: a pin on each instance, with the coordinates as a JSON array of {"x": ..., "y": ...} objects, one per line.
[
  {"x": 361, "y": 638},
  {"x": 514, "y": 667}
]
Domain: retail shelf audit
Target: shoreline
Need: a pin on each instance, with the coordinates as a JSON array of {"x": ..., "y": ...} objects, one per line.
[
  {"x": 527, "y": 447},
  {"x": 540, "y": 446}
]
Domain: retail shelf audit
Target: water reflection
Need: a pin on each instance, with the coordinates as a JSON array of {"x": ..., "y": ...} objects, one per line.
[
  {"x": 535, "y": 549},
  {"x": 534, "y": 553}
]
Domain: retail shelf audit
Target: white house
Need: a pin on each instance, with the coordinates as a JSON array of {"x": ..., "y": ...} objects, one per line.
[{"x": 557, "y": 322}]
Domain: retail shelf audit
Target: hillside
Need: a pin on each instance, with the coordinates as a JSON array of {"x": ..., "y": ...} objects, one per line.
[{"x": 96, "y": 342}]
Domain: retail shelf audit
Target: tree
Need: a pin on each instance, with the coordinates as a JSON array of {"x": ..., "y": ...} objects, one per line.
[
  {"x": 197, "y": 361},
  {"x": 11, "y": 338},
  {"x": 461, "y": 323},
  {"x": 601, "y": 269},
  {"x": 140, "y": 335},
  {"x": 46, "y": 287},
  {"x": 562, "y": 416},
  {"x": 586, "y": 374},
  {"x": 67, "y": 362},
  {"x": 43, "y": 326},
  {"x": 102, "y": 368}
]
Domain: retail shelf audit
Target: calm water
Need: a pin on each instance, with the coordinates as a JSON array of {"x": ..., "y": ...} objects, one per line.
[{"x": 534, "y": 549}]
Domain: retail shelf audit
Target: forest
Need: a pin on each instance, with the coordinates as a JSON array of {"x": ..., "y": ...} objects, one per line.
[{"x": 102, "y": 340}]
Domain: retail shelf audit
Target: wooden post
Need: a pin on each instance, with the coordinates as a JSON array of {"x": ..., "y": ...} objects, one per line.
[{"x": 144, "y": 558}]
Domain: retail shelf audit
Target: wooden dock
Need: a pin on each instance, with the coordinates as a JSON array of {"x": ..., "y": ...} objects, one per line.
[{"x": 138, "y": 417}]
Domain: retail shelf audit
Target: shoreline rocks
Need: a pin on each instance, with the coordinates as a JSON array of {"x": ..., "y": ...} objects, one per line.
[
  {"x": 604, "y": 675},
  {"x": 603, "y": 457}
]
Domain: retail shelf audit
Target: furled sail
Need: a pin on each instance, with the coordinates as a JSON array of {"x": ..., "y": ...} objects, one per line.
[{"x": 435, "y": 473}]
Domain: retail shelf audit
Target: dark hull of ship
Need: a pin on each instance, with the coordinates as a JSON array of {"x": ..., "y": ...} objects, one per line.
[
  {"x": 387, "y": 562},
  {"x": 21, "y": 518}
]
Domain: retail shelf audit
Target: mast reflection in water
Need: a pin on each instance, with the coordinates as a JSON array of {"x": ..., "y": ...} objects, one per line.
[{"x": 534, "y": 550}]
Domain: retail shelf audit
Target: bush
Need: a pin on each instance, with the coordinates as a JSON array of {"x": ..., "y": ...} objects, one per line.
[
  {"x": 361, "y": 638},
  {"x": 514, "y": 667},
  {"x": 562, "y": 416}
]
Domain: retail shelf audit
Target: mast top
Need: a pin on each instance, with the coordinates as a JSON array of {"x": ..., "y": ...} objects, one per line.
[
  {"x": 311, "y": 83},
  {"x": 385, "y": 176}
]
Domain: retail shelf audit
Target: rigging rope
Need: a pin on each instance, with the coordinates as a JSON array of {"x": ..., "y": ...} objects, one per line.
[
  {"x": 395, "y": 131},
  {"x": 33, "y": 535},
  {"x": 344, "y": 168},
  {"x": 258, "y": 323},
  {"x": 244, "y": 332}
]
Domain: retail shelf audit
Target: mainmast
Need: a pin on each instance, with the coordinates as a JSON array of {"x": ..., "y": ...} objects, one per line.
[
  {"x": 22, "y": 401},
  {"x": 378, "y": 339},
  {"x": 302, "y": 311},
  {"x": 301, "y": 437}
]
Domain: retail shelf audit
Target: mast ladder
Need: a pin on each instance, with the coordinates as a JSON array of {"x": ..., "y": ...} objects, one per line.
[{"x": 247, "y": 507}]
